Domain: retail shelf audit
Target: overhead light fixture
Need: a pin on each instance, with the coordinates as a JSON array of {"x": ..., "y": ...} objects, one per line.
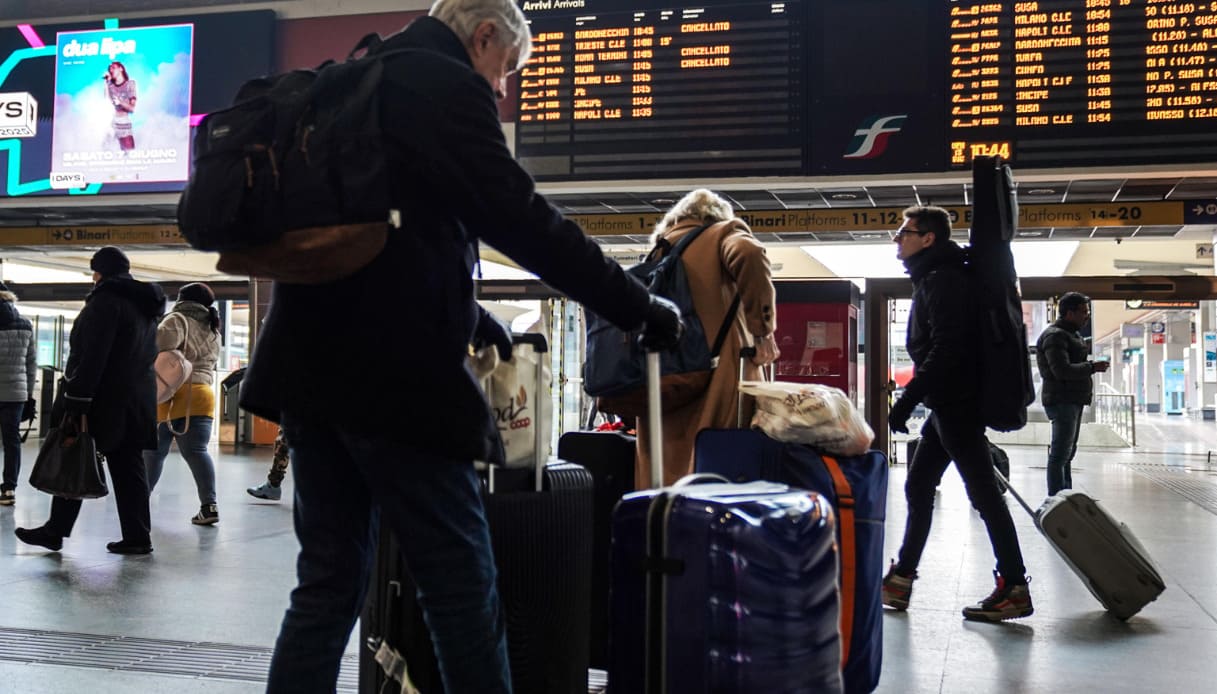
[
  {"x": 1030, "y": 234},
  {"x": 843, "y": 196},
  {"x": 663, "y": 201},
  {"x": 1041, "y": 191}
]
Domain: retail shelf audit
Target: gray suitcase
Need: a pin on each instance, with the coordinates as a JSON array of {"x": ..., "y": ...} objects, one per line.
[{"x": 1101, "y": 550}]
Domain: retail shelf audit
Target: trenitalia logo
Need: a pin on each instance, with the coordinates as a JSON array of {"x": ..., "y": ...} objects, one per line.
[{"x": 870, "y": 140}]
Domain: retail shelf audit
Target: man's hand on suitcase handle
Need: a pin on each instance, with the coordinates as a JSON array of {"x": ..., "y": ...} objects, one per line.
[{"x": 662, "y": 326}]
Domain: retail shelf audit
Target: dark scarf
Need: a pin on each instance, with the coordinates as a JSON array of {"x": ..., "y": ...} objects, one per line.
[{"x": 929, "y": 259}]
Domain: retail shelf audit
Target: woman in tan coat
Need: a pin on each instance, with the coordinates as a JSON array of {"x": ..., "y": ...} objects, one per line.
[{"x": 726, "y": 258}]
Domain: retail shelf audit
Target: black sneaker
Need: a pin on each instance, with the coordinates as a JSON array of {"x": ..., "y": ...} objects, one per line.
[
  {"x": 8, "y": 496},
  {"x": 1005, "y": 602},
  {"x": 41, "y": 536},
  {"x": 208, "y": 515}
]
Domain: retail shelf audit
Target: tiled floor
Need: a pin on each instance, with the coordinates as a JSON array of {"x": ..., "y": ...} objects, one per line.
[
  {"x": 229, "y": 584},
  {"x": 1070, "y": 644}
]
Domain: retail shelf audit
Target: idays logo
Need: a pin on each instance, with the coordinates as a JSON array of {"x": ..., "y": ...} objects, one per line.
[
  {"x": 870, "y": 140},
  {"x": 18, "y": 115}
]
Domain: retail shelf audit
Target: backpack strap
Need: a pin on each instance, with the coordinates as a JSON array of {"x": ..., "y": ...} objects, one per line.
[
  {"x": 676, "y": 251},
  {"x": 849, "y": 552},
  {"x": 189, "y": 381}
]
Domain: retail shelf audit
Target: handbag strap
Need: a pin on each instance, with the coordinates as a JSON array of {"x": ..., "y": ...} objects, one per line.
[{"x": 189, "y": 381}]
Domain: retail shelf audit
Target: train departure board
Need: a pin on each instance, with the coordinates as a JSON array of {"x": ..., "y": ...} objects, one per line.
[
  {"x": 1082, "y": 82},
  {"x": 642, "y": 90}
]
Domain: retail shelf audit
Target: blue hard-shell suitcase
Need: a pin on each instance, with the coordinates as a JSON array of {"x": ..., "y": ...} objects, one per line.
[
  {"x": 724, "y": 588},
  {"x": 743, "y": 455}
]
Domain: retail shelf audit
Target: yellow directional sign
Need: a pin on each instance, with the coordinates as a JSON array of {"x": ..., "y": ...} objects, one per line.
[
  {"x": 889, "y": 218},
  {"x": 857, "y": 219},
  {"x": 89, "y": 236}
]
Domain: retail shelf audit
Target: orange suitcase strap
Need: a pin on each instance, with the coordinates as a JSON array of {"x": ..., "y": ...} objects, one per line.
[{"x": 849, "y": 569}]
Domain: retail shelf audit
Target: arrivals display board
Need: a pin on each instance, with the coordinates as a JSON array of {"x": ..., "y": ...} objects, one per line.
[{"x": 638, "y": 90}]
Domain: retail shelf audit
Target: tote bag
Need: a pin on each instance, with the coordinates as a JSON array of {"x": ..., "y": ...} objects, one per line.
[{"x": 68, "y": 464}]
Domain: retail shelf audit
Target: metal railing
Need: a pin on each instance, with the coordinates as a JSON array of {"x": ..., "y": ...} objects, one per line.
[{"x": 1118, "y": 411}]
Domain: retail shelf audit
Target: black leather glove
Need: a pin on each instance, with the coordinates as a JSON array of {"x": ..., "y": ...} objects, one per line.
[
  {"x": 898, "y": 418},
  {"x": 661, "y": 326},
  {"x": 30, "y": 411},
  {"x": 492, "y": 331}
]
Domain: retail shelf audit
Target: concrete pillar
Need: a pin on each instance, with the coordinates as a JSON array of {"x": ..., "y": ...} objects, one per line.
[
  {"x": 1114, "y": 351},
  {"x": 1155, "y": 353},
  {"x": 1206, "y": 324}
]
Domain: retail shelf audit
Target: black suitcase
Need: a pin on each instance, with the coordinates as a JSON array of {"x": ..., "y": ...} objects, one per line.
[
  {"x": 609, "y": 457},
  {"x": 541, "y": 529}
]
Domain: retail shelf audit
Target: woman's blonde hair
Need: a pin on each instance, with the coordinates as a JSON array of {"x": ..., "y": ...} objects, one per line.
[{"x": 701, "y": 205}]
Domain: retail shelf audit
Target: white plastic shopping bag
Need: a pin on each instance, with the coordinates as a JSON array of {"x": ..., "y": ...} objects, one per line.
[{"x": 819, "y": 415}]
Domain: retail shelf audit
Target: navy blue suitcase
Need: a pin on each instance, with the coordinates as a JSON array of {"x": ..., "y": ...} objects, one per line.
[
  {"x": 724, "y": 588},
  {"x": 743, "y": 455}
]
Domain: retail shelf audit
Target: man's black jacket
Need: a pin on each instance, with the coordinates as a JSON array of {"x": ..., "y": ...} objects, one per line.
[
  {"x": 109, "y": 371},
  {"x": 1063, "y": 358},
  {"x": 942, "y": 332},
  {"x": 384, "y": 351}
]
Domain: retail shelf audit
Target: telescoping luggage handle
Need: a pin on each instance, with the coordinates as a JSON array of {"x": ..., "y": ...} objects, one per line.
[
  {"x": 1002, "y": 478},
  {"x": 654, "y": 420},
  {"x": 540, "y": 448}
]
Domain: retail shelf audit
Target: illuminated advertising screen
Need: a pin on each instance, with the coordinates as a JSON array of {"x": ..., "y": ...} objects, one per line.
[
  {"x": 122, "y": 106},
  {"x": 108, "y": 106}
]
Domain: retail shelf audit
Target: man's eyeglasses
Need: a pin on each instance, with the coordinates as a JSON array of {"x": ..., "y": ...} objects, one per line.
[{"x": 900, "y": 234}]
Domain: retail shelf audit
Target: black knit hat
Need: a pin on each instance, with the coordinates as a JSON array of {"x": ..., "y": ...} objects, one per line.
[
  {"x": 196, "y": 292},
  {"x": 109, "y": 261}
]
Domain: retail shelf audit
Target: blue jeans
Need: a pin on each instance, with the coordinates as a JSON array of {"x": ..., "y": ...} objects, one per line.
[
  {"x": 193, "y": 447},
  {"x": 10, "y": 431},
  {"x": 1066, "y": 423},
  {"x": 345, "y": 483}
]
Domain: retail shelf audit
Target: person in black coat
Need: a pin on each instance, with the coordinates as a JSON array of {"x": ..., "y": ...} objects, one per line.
[
  {"x": 942, "y": 341},
  {"x": 109, "y": 382},
  {"x": 368, "y": 375}
]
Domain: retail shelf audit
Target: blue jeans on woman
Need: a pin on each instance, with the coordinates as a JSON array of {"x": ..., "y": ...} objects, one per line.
[
  {"x": 193, "y": 447},
  {"x": 1066, "y": 421},
  {"x": 345, "y": 484}
]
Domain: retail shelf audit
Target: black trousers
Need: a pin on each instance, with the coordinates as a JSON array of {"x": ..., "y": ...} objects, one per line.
[
  {"x": 129, "y": 481},
  {"x": 956, "y": 434}
]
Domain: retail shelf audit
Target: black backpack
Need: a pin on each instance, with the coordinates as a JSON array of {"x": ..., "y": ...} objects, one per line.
[
  {"x": 291, "y": 182},
  {"x": 614, "y": 371},
  {"x": 1005, "y": 362}
]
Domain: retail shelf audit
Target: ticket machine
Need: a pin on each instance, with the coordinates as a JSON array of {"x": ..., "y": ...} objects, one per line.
[{"x": 817, "y": 331}]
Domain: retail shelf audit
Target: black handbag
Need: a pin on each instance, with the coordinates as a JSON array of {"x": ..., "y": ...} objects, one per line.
[{"x": 68, "y": 464}]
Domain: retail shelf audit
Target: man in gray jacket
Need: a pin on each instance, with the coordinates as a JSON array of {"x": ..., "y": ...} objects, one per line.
[
  {"x": 1063, "y": 359},
  {"x": 18, "y": 357}
]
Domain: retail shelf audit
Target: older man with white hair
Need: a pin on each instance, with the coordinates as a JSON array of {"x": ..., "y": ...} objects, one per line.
[{"x": 398, "y": 442}]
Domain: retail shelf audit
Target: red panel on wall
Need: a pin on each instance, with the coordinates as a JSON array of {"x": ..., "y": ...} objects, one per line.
[{"x": 313, "y": 40}]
